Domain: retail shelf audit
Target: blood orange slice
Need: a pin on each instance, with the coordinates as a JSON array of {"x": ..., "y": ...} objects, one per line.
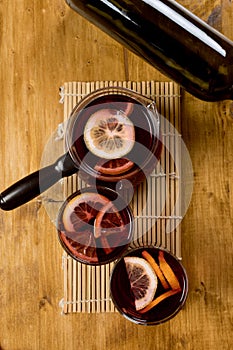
[
  {"x": 114, "y": 166},
  {"x": 82, "y": 210},
  {"x": 78, "y": 219},
  {"x": 81, "y": 245},
  {"x": 109, "y": 228},
  {"x": 143, "y": 280},
  {"x": 126, "y": 107},
  {"x": 109, "y": 134}
]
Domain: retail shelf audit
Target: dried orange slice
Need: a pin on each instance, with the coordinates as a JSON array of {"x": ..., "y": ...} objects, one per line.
[
  {"x": 168, "y": 272},
  {"x": 156, "y": 268},
  {"x": 109, "y": 134},
  {"x": 114, "y": 166},
  {"x": 143, "y": 280}
]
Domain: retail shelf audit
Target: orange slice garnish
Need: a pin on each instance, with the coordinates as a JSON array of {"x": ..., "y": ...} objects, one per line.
[
  {"x": 143, "y": 280},
  {"x": 159, "y": 299},
  {"x": 99, "y": 219},
  {"x": 77, "y": 218},
  {"x": 129, "y": 108},
  {"x": 114, "y": 166},
  {"x": 109, "y": 134},
  {"x": 156, "y": 268},
  {"x": 82, "y": 209},
  {"x": 81, "y": 245},
  {"x": 108, "y": 227},
  {"x": 168, "y": 273}
]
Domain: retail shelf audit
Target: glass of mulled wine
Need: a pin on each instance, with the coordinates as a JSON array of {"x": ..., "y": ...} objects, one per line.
[
  {"x": 95, "y": 225},
  {"x": 114, "y": 134},
  {"x": 148, "y": 285}
]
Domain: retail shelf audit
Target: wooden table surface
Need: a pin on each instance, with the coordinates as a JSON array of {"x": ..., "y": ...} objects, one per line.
[{"x": 43, "y": 44}]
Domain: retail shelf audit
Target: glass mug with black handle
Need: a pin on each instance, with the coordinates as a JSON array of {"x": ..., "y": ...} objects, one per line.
[{"x": 112, "y": 139}]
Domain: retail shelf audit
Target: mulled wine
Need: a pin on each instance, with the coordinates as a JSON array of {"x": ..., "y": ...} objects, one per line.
[
  {"x": 95, "y": 225},
  {"x": 148, "y": 285},
  {"x": 112, "y": 135}
]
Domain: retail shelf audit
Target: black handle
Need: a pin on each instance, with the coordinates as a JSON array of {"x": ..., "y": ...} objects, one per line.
[{"x": 32, "y": 185}]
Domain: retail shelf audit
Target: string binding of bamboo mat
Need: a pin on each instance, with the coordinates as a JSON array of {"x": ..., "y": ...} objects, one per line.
[{"x": 86, "y": 288}]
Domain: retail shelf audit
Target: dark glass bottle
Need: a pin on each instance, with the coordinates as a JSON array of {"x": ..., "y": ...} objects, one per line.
[{"x": 170, "y": 38}]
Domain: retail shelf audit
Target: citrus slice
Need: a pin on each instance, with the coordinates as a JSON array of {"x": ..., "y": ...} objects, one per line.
[
  {"x": 159, "y": 299},
  {"x": 143, "y": 280},
  {"x": 78, "y": 218},
  {"x": 109, "y": 134},
  {"x": 114, "y": 166},
  {"x": 81, "y": 244},
  {"x": 156, "y": 268},
  {"x": 129, "y": 108},
  {"x": 91, "y": 221},
  {"x": 109, "y": 228},
  {"x": 82, "y": 210},
  {"x": 99, "y": 219},
  {"x": 108, "y": 221},
  {"x": 126, "y": 107},
  {"x": 168, "y": 272}
]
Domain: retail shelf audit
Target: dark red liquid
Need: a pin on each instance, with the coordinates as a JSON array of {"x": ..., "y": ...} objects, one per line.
[
  {"x": 88, "y": 249},
  {"x": 146, "y": 150},
  {"x": 124, "y": 300}
]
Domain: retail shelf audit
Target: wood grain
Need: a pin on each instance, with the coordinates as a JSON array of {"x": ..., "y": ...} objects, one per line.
[{"x": 42, "y": 44}]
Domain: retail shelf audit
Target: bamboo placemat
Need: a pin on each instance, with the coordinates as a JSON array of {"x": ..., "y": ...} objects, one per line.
[{"x": 86, "y": 288}]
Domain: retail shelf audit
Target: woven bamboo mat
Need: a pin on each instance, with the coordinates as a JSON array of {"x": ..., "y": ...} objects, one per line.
[{"x": 86, "y": 288}]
